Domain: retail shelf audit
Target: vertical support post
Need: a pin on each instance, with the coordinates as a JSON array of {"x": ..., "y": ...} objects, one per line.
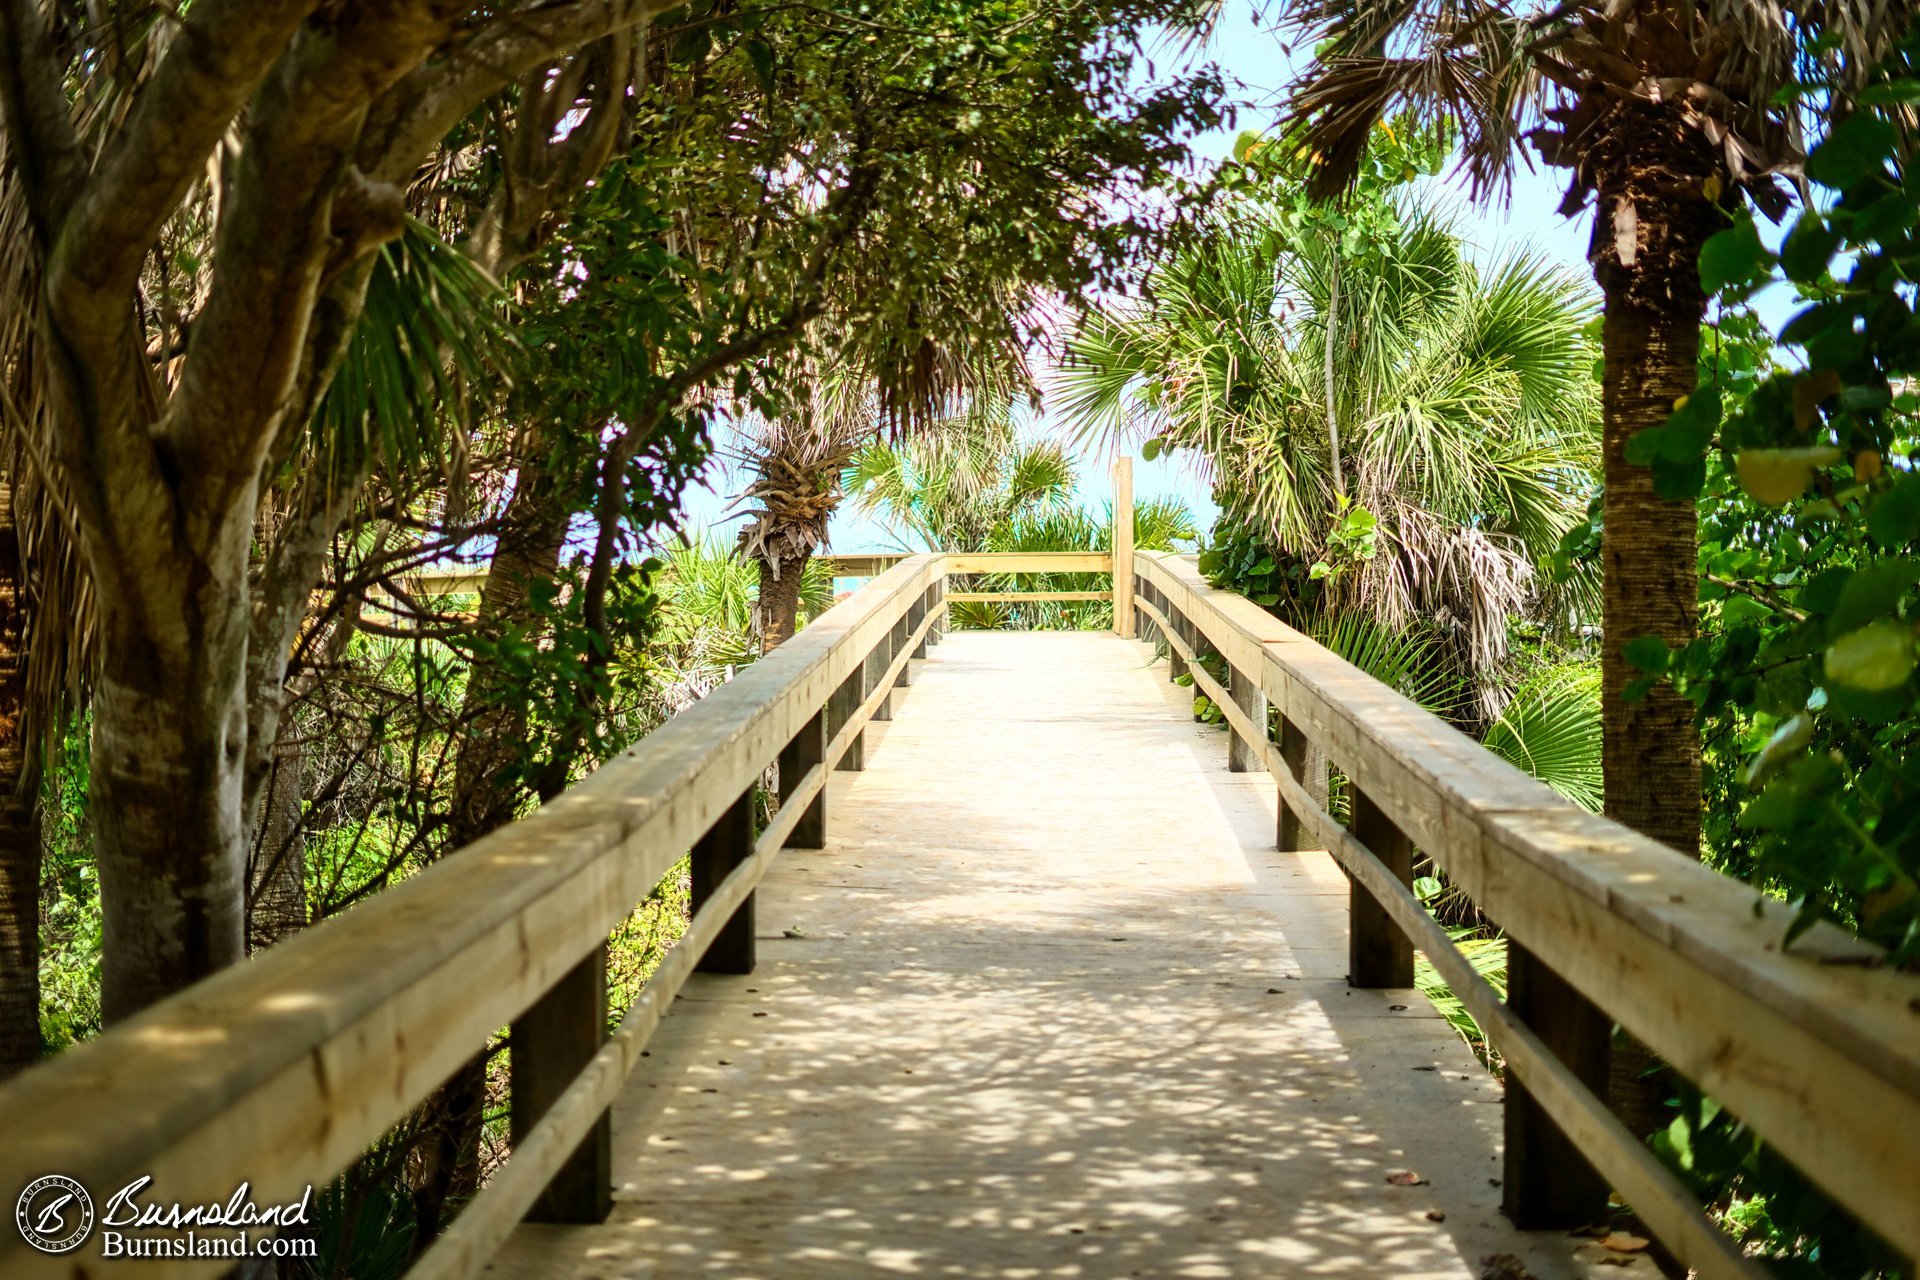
[
  {"x": 1549, "y": 1186},
  {"x": 1300, "y": 757},
  {"x": 916, "y": 616},
  {"x": 715, "y": 854},
  {"x": 938, "y": 592},
  {"x": 1379, "y": 953},
  {"x": 1244, "y": 756},
  {"x": 902, "y": 632},
  {"x": 1196, "y": 642},
  {"x": 550, "y": 1045},
  {"x": 1123, "y": 547},
  {"x": 876, "y": 667},
  {"x": 840, "y": 708},
  {"x": 808, "y": 748},
  {"x": 1176, "y": 665}
]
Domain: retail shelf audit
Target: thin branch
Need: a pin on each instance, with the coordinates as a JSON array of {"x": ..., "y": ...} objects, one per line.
[
  {"x": 220, "y": 53},
  {"x": 34, "y": 114},
  {"x": 432, "y": 100}
]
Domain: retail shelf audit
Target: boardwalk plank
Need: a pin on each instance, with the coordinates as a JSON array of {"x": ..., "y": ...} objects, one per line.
[{"x": 1055, "y": 1007}]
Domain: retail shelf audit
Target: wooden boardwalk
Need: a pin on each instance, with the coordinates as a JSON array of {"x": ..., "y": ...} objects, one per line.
[{"x": 1049, "y": 1003}]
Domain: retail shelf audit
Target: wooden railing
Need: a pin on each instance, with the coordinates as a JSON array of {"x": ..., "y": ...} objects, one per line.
[
  {"x": 1815, "y": 1047},
  {"x": 282, "y": 1071}
]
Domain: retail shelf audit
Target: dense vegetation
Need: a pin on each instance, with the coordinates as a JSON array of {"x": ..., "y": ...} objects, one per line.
[{"x": 355, "y": 361}]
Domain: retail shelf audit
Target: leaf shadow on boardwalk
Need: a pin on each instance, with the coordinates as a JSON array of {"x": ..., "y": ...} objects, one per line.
[{"x": 1056, "y": 1008}]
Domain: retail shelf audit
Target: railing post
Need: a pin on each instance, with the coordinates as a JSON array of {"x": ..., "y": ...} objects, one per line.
[
  {"x": 902, "y": 632},
  {"x": 1379, "y": 953},
  {"x": 840, "y": 708},
  {"x": 876, "y": 668},
  {"x": 1298, "y": 753},
  {"x": 716, "y": 854},
  {"x": 1123, "y": 546},
  {"x": 808, "y": 748},
  {"x": 1196, "y": 643},
  {"x": 938, "y": 592},
  {"x": 1244, "y": 756},
  {"x": 916, "y": 616},
  {"x": 549, "y": 1046},
  {"x": 1548, "y": 1184},
  {"x": 1176, "y": 664}
]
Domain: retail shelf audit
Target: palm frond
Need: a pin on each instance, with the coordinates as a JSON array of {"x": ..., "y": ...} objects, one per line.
[
  {"x": 431, "y": 321},
  {"x": 1551, "y": 729}
]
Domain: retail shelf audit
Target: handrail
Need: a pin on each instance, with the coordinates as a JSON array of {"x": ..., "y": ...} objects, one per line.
[
  {"x": 1815, "y": 1047},
  {"x": 282, "y": 1071}
]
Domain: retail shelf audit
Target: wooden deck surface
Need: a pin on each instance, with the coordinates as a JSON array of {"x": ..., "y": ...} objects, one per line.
[{"x": 1050, "y": 1004}]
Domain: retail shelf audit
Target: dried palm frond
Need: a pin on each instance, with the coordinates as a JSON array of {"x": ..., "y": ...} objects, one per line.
[
  {"x": 59, "y": 636},
  {"x": 1568, "y": 75}
]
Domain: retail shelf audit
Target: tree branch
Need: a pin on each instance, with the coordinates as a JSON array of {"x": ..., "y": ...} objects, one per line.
[
  {"x": 297, "y": 212},
  {"x": 34, "y": 114},
  {"x": 432, "y": 99},
  {"x": 214, "y": 61}
]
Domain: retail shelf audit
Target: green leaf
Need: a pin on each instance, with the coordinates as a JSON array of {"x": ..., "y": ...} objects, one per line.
[
  {"x": 1734, "y": 259},
  {"x": 1896, "y": 92},
  {"x": 1645, "y": 445},
  {"x": 1648, "y": 653},
  {"x": 1894, "y": 518},
  {"x": 1873, "y": 659},
  {"x": 760, "y": 54},
  {"x": 1152, "y": 449},
  {"x": 1873, "y": 592},
  {"x": 1822, "y": 594},
  {"x": 1808, "y": 248},
  {"x": 1857, "y": 148}
]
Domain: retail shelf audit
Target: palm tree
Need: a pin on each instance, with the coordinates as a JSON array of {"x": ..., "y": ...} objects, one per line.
[
  {"x": 1427, "y": 477},
  {"x": 708, "y": 625},
  {"x": 796, "y": 459},
  {"x": 1667, "y": 112},
  {"x": 952, "y": 486}
]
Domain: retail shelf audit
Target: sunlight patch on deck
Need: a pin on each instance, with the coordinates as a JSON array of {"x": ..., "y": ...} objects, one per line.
[{"x": 1056, "y": 1008}]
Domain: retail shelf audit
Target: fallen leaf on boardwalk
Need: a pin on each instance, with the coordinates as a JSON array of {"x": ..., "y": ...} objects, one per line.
[
  {"x": 1396, "y": 1008},
  {"x": 1615, "y": 1260},
  {"x": 1624, "y": 1243},
  {"x": 1504, "y": 1266},
  {"x": 1436, "y": 1215},
  {"x": 1406, "y": 1178},
  {"x": 795, "y": 932}
]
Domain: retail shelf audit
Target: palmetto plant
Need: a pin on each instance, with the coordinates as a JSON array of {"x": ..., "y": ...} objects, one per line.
[
  {"x": 1551, "y": 729},
  {"x": 709, "y": 592},
  {"x": 1666, "y": 112},
  {"x": 954, "y": 484},
  {"x": 796, "y": 460},
  {"x": 1464, "y": 407},
  {"x": 1159, "y": 524}
]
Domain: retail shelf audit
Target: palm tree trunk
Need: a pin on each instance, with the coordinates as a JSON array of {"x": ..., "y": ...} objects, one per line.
[
  {"x": 19, "y": 820},
  {"x": 1646, "y": 260},
  {"x": 1333, "y": 408},
  {"x": 779, "y": 606},
  {"x": 1650, "y": 749}
]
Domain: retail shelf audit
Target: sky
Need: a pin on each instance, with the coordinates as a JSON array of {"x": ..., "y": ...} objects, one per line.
[{"x": 1253, "y": 54}]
